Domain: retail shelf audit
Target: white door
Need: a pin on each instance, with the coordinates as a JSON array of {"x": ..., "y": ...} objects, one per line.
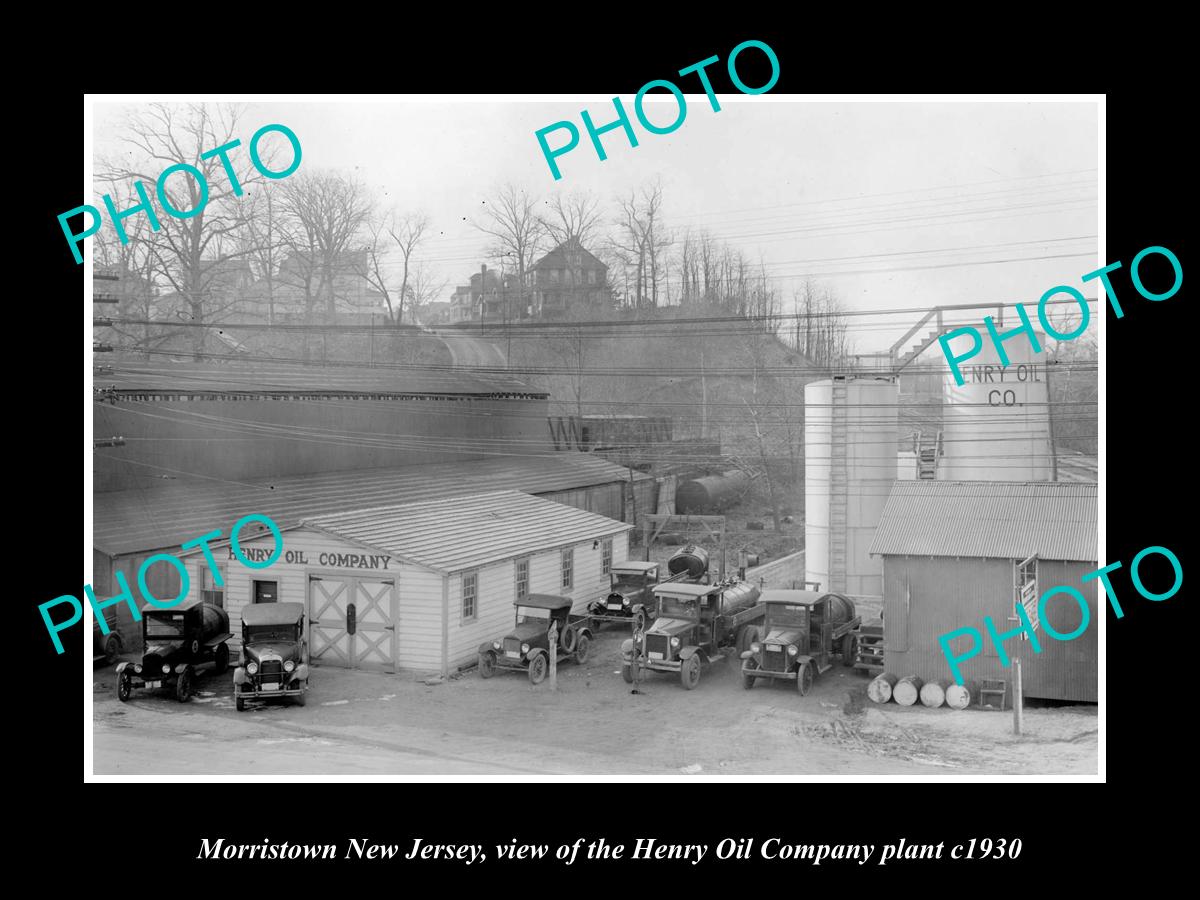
[{"x": 352, "y": 620}]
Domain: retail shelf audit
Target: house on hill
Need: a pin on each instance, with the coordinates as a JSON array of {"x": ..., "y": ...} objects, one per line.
[{"x": 568, "y": 277}]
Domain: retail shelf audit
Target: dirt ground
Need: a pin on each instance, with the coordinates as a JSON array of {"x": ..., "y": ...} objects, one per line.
[{"x": 359, "y": 722}]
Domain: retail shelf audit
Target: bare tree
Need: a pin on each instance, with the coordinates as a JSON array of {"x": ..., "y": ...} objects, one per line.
[
  {"x": 264, "y": 240},
  {"x": 400, "y": 234},
  {"x": 821, "y": 332},
  {"x": 642, "y": 242},
  {"x": 573, "y": 218},
  {"x": 518, "y": 232},
  {"x": 189, "y": 253}
]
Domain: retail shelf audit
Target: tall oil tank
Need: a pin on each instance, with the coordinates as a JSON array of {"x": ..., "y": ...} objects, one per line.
[
  {"x": 850, "y": 445},
  {"x": 996, "y": 425}
]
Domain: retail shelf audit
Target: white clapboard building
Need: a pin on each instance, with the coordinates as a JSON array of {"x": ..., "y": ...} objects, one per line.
[{"x": 418, "y": 586}]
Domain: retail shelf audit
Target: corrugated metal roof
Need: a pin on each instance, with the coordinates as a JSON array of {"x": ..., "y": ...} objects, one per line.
[
  {"x": 139, "y": 519},
  {"x": 990, "y": 519},
  {"x": 450, "y": 535},
  {"x": 131, "y": 375}
]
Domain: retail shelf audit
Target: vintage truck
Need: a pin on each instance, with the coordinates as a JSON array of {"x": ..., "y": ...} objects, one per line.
[
  {"x": 631, "y": 597},
  {"x": 527, "y": 646},
  {"x": 695, "y": 623},
  {"x": 800, "y": 633},
  {"x": 180, "y": 642},
  {"x": 274, "y": 658}
]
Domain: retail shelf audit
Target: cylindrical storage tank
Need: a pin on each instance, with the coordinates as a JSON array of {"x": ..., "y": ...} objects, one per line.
[
  {"x": 867, "y": 439},
  {"x": 996, "y": 425},
  {"x": 690, "y": 559},
  {"x": 711, "y": 493},
  {"x": 841, "y": 609}
]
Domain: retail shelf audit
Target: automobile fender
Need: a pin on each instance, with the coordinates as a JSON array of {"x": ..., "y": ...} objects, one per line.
[
  {"x": 486, "y": 647},
  {"x": 536, "y": 651},
  {"x": 626, "y": 649},
  {"x": 689, "y": 652},
  {"x": 239, "y": 675},
  {"x": 181, "y": 668},
  {"x": 302, "y": 672},
  {"x": 122, "y": 666},
  {"x": 587, "y": 631},
  {"x": 640, "y": 608},
  {"x": 802, "y": 659},
  {"x": 747, "y": 654}
]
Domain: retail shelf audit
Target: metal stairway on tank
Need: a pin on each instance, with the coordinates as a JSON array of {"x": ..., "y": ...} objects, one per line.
[
  {"x": 928, "y": 453},
  {"x": 838, "y": 486}
]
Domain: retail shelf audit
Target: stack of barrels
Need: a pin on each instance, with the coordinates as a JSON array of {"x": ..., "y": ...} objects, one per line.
[{"x": 908, "y": 690}]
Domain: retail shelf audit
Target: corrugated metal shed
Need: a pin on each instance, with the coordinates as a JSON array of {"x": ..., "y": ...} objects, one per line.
[
  {"x": 990, "y": 519},
  {"x": 200, "y": 379},
  {"x": 450, "y": 535},
  {"x": 136, "y": 520}
]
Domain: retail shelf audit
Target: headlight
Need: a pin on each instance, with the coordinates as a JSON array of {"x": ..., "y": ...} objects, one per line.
[
  {"x": 755, "y": 647},
  {"x": 624, "y": 601},
  {"x": 289, "y": 665},
  {"x": 252, "y": 668},
  {"x": 793, "y": 650},
  {"x": 524, "y": 648},
  {"x": 495, "y": 645},
  {"x": 166, "y": 669},
  {"x": 674, "y": 642},
  {"x": 137, "y": 669}
]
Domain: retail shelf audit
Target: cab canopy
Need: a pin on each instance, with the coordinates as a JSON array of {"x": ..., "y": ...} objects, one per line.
[
  {"x": 634, "y": 567},
  {"x": 686, "y": 591},
  {"x": 260, "y": 614},
  {"x": 801, "y": 598},
  {"x": 150, "y": 609},
  {"x": 544, "y": 601}
]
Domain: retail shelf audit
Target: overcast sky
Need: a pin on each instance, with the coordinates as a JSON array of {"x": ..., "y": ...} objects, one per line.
[{"x": 819, "y": 189}]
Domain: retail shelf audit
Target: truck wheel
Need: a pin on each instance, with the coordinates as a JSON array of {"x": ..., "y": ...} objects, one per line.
[
  {"x": 537, "y": 669},
  {"x": 301, "y": 699},
  {"x": 487, "y": 664},
  {"x": 689, "y": 673},
  {"x": 804, "y": 679},
  {"x": 124, "y": 686},
  {"x": 582, "y": 649},
  {"x": 183, "y": 685},
  {"x": 221, "y": 660},
  {"x": 747, "y": 678},
  {"x": 627, "y": 673},
  {"x": 567, "y": 639},
  {"x": 747, "y": 636},
  {"x": 112, "y": 648},
  {"x": 239, "y": 701},
  {"x": 639, "y": 620},
  {"x": 849, "y": 650}
]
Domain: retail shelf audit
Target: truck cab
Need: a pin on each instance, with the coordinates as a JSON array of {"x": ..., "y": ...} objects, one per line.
[{"x": 800, "y": 632}]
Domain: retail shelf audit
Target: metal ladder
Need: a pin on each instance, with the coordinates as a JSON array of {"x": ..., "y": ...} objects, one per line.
[
  {"x": 927, "y": 457},
  {"x": 838, "y": 487}
]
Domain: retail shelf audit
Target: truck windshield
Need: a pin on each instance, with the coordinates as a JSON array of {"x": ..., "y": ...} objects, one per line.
[
  {"x": 271, "y": 633},
  {"x": 531, "y": 614},
  {"x": 164, "y": 628},
  {"x": 680, "y": 607},
  {"x": 787, "y": 614}
]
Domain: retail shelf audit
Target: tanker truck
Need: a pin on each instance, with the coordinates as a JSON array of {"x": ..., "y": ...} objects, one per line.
[
  {"x": 695, "y": 623},
  {"x": 631, "y": 598}
]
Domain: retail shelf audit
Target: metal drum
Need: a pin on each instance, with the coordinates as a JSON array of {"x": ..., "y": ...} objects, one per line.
[{"x": 690, "y": 559}]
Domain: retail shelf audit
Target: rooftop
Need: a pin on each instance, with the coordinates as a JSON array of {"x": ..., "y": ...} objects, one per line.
[
  {"x": 141, "y": 519},
  {"x": 458, "y": 533},
  {"x": 807, "y": 598},
  {"x": 990, "y": 519}
]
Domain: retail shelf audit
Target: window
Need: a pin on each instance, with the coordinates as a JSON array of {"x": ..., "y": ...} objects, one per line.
[
  {"x": 522, "y": 578},
  {"x": 554, "y": 276},
  {"x": 209, "y": 591},
  {"x": 266, "y": 591},
  {"x": 470, "y": 594},
  {"x": 568, "y": 568},
  {"x": 591, "y": 276},
  {"x": 606, "y": 557}
]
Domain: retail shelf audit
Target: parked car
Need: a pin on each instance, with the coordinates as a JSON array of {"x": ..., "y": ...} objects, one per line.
[
  {"x": 527, "y": 646},
  {"x": 800, "y": 633},
  {"x": 631, "y": 597},
  {"x": 106, "y": 647},
  {"x": 695, "y": 623},
  {"x": 180, "y": 642},
  {"x": 274, "y": 654}
]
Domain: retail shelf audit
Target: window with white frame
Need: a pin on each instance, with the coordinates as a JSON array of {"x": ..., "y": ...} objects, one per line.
[
  {"x": 522, "y": 576},
  {"x": 209, "y": 592},
  {"x": 606, "y": 557},
  {"x": 470, "y": 595},
  {"x": 568, "y": 568}
]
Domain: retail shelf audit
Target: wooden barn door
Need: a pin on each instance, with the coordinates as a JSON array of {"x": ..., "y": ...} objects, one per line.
[{"x": 352, "y": 621}]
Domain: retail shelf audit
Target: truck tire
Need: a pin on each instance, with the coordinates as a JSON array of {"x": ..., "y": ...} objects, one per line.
[
  {"x": 639, "y": 620},
  {"x": 627, "y": 673},
  {"x": 183, "y": 685},
  {"x": 849, "y": 650},
  {"x": 804, "y": 679},
  {"x": 221, "y": 660},
  {"x": 112, "y": 648},
  {"x": 747, "y": 636},
  {"x": 689, "y": 673},
  {"x": 124, "y": 686},
  {"x": 747, "y": 678},
  {"x": 238, "y": 700}
]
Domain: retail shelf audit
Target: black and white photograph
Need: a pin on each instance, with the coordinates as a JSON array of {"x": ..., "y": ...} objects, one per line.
[{"x": 711, "y": 434}]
